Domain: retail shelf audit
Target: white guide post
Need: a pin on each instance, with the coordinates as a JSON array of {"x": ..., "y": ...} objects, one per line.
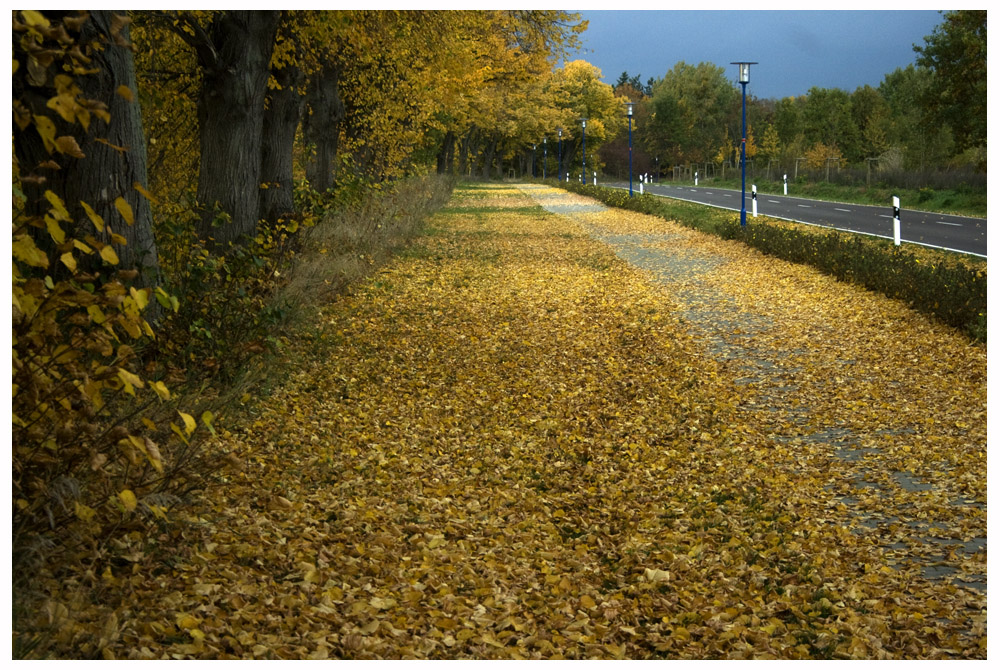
[
  {"x": 595, "y": 179},
  {"x": 895, "y": 220},
  {"x": 786, "y": 184},
  {"x": 753, "y": 189},
  {"x": 640, "y": 188},
  {"x": 695, "y": 177}
]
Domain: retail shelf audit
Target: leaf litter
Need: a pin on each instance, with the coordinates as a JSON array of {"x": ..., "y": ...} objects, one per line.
[{"x": 511, "y": 443}]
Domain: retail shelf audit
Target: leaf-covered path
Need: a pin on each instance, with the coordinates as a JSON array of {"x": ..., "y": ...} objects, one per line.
[{"x": 512, "y": 443}]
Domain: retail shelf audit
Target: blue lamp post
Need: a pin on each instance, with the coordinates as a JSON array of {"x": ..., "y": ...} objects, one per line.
[
  {"x": 545, "y": 155},
  {"x": 559, "y": 133},
  {"x": 583, "y": 177},
  {"x": 744, "y": 80},
  {"x": 629, "y": 106}
]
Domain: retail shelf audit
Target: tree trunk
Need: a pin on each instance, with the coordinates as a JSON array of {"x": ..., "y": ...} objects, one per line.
[
  {"x": 463, "y": 154},
  {"x": 321, "y": 126},
  {"x": 281, "y": 119},
  {"x": 446, "y": 153},
  {"x": 107, "y": 169},
  {"x": 235, "y": 60},
  {"x": 450, "y": 158},
  {"x": 491, "y": 147}
]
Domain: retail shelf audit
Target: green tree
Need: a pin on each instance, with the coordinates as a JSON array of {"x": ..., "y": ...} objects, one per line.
[
  {"x": 909, "y": 127},
  {"x": 770, "y": 145},
  {"x": 827, "y": 120},
  {"x": 788, "y": 118},
  {"x": 693, "y": 105},
  {"x": 956, "y": 54},
  {"x": 870, "y": 114}
]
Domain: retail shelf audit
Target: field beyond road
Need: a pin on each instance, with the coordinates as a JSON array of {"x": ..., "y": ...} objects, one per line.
[{"x": 549, "y": 429}]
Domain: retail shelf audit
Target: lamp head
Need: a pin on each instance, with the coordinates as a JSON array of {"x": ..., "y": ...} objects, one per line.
[{"x": 744, "y": 70}]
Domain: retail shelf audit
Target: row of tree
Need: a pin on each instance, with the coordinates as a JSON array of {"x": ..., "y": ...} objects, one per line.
[
  {"x": 218, "y": 110},
  {"x": 932, "y": 113}
]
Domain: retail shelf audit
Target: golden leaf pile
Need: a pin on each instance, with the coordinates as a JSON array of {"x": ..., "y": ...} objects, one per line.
[{"x": 509, "y": 443}]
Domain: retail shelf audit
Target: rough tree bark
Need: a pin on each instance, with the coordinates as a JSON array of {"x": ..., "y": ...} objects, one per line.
[
  {"x": 446, "y": 153},
  {"x": 281, "y": 119},
  {"x": 321, "y": 126},
  {"x": 491, "y": 147},
  {"x": 234, "y": 53},
  {"x": 112, "y": 155},
  {"x": 463, "y": 154}
]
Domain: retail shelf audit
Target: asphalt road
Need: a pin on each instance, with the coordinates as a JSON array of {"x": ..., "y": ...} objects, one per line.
[{"x": 943, "y": 231}]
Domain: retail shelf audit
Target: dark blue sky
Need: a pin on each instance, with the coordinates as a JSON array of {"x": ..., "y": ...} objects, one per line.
[{"x": 796, "y": 49}]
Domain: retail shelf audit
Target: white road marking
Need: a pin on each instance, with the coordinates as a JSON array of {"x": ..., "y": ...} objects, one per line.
[
  {"x": 948, "y": 223},
  {"x": 841, "y": 210},
  {"x": 806, "y": 206},
  {"x": 775, "y": 201}
]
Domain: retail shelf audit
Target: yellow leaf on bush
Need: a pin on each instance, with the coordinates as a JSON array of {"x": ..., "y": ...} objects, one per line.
[
  {"x": 33, "y": 18},
  {"x": 124, "y": 209},
  {"x": 161, "y": 390},
  {"x": 128, "y": 500},
  {"x": 68, "y": 260},
  {"x": 58, "y": 210},
  {"x": 207, "y": 418},
  {"x": 47, "y": 130},
  {"x": 65, "y": 105},
  {"x": 67, "y": 144},
  {"x": 189, "y": 423},
  {"x": 24, "y": 250},
  {"x": 109, "y": 255},
  {"x": 57, "y": 233},
  {"x": 141, "y": 296},
  {"x": 130, "y": 378},
  {"x": 95, "y": 218},
  {"x": 146, "y": 194}
]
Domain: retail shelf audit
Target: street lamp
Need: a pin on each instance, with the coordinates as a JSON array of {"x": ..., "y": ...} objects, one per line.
[
  {"x": 629, "y": 105},
  {"x": 559, "y": 132},
  {"x": 545, "y": 154},
  {"x": 583, "y": 177},
  {"x": 744, "y": 80}
]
